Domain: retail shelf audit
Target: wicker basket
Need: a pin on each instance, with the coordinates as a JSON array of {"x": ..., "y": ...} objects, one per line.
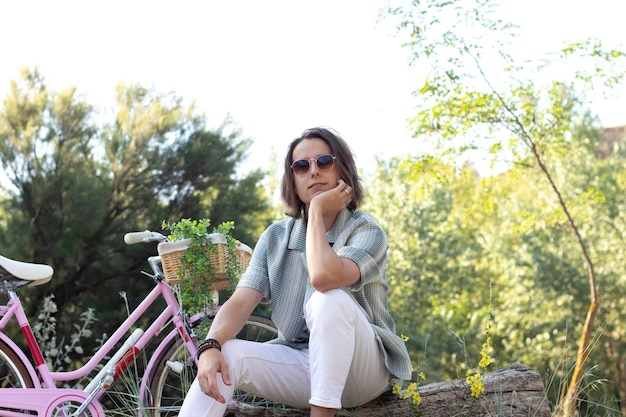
[{"x": 172, "y": 252}]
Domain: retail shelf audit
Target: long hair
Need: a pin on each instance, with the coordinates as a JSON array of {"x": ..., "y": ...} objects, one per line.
[{"x": 344, "y": 162}]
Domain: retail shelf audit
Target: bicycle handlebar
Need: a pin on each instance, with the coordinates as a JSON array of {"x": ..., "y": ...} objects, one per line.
[{"x": 132, "y": 238}]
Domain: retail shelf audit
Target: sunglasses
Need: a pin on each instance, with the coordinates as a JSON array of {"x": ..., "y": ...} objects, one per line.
[{"x": 323, "y": 162}]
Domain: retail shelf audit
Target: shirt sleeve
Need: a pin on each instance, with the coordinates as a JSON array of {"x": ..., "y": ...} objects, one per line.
[
  {"x": 367, "y": 247},
  {"x": 257, "y": 274}
]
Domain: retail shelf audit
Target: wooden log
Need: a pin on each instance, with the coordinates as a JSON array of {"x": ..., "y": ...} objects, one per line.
[{"x": 513, "y": 391}]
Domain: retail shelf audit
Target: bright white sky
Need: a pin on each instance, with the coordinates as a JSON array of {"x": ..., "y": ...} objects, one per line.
[{"x": 276, "y": 67}]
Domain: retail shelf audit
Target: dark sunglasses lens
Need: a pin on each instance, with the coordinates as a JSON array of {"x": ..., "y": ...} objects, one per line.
[
  {"x": 301, "y": 166},
  {"x": 324, "y": 162}
]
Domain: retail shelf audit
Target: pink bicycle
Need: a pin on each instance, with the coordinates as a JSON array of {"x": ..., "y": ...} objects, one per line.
[{"x": 31, "y": 388}]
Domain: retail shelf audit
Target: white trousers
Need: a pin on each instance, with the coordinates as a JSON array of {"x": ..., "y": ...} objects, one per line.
[{"x": 343, "y": 367}]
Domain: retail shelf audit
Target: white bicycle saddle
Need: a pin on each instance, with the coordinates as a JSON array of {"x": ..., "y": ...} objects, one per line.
[{"x": 34, "y": 274}]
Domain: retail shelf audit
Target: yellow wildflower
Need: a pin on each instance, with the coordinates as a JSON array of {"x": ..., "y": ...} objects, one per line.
[
  {"x": 484, "y": 354},
  {"x": 412, "y": 387},
  {"x": 417, "y": 398},
  {"x": 411, "y": 391},
  {"x": 475, "y": 381}
]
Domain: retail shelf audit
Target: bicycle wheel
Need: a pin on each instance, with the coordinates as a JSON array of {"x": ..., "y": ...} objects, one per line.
[
  {"x": 13, "y": 372},
  {"x": 176, "y": 371}
]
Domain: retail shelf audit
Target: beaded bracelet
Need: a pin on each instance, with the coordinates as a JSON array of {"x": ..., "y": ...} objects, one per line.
[{"x": 208, "y": 344}]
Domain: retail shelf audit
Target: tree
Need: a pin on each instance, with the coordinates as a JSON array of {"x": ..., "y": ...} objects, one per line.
[
  {"x": 76, "y": 186},
  {"x": 468, "y": 251},
  {"x": 469, "y": 105}
]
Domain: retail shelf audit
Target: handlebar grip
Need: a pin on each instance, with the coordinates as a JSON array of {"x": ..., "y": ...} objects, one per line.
[{"x": 136, "y": 237}]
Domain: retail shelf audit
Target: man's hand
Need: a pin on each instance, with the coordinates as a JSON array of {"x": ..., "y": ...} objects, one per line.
[
  {"x": 335, "y": 199},
  {"x": 210, "y": 363}
]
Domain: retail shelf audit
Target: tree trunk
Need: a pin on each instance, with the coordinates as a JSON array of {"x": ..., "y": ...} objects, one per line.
[
  {"x": 513, "y": 391},
  {"x": 569, "y": 404}
]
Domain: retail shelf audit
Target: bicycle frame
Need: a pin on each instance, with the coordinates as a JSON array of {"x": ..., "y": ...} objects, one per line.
[{"x": 45, "y": 395}]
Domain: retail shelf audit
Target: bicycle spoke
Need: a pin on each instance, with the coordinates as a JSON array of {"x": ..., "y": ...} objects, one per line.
[{"x": 171, "y": 381}]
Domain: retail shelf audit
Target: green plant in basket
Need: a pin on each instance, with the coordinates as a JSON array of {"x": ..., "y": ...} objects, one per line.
[{"x": 207, "y": 260}]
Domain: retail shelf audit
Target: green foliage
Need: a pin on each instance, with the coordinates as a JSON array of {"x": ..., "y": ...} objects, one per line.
[
  {"x": 546, "y": 209},
  {"x": 435, "y": 242},
  {"x": 79, "y": 179},
  {"x": 61, "y": 353},
  {"x": 452, "y": 233},
  {"x": 196, "y": 273}
]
